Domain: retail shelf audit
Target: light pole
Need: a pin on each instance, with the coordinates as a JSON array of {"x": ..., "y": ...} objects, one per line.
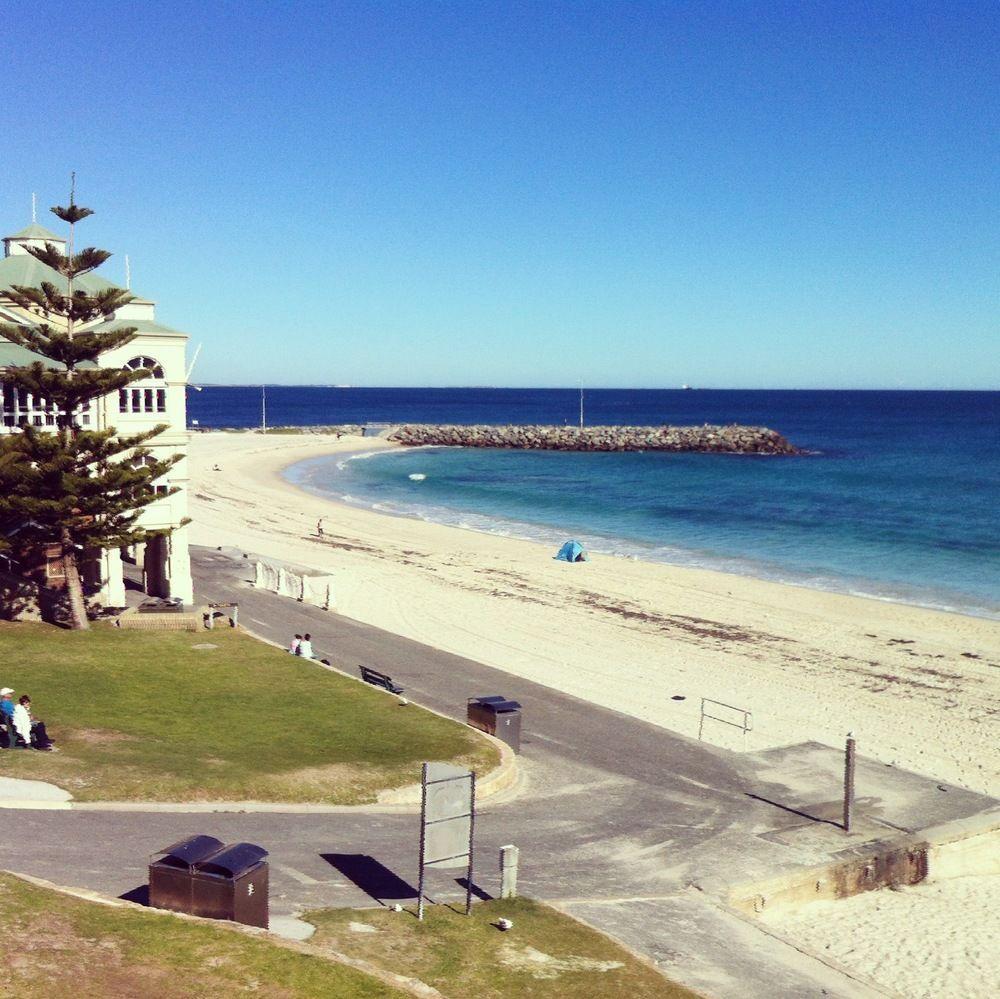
[{"x": 263, "y": 409}]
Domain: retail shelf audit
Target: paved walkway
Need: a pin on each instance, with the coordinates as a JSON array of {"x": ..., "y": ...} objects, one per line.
[{"x": 625, "y": 824}]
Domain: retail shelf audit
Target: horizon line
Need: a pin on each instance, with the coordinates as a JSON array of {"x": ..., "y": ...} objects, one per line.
[{"x": 596, "y": 388}]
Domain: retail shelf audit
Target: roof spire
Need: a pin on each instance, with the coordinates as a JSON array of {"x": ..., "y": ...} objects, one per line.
[{"x": 34, "y": 209}]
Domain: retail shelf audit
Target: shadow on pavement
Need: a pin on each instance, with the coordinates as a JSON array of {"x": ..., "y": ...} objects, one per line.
[
  {"x": 480, "y": 893},
  {"x": 371, "y": 876},
  {"x": 794, "y": 811},
  {"x": 138, "y": 895}
]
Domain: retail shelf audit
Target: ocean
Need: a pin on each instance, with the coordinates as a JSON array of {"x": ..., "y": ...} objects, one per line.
[{"x": 898, "y": 499}]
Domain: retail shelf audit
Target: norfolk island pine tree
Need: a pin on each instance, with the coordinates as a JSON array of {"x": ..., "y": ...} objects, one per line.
[{"x": 82, "y": 490}]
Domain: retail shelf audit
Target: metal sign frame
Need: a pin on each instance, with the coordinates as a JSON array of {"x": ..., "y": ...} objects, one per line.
[{"x": 466, "y": 810}]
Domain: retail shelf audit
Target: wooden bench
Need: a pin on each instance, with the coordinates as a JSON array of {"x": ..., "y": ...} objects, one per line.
[{"x": 377, "y": 679}]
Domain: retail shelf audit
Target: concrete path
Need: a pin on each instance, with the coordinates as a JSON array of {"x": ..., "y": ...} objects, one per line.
[
  {"x": 16, "y": 793},
  {"x": 637, "y": 830}
]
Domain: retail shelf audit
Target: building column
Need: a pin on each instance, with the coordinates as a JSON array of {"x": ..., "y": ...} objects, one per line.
[
  {"x": 154, "y": 567},
  {"x": 113, "y": 578},
  {"x": 179, "y": 567}
]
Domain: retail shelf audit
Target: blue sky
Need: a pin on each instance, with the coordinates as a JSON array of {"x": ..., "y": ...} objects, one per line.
[{"x": 631, "y": 194}]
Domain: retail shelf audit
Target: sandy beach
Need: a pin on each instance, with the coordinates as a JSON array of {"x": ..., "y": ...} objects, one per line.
[
  {"x": 941, "y": 936},
  {"x": 919, "y": 688}
]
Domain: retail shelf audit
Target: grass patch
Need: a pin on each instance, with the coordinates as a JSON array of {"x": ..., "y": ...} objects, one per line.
[
  {"x": 145, "y": 716},
  {"x": 546, "y": 955},
  {"x": 56, "y": 945}
]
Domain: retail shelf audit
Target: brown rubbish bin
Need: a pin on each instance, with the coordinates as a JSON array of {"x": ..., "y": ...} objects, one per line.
[
  {"x": 170, "y": 876},
  {"x": 203, "y": 877},
  {"x": 496, "y": 716},
  {"x": 232, "y": 884}
]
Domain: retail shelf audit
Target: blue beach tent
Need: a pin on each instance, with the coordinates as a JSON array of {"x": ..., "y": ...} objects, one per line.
[{"x": 572, "y": 551}]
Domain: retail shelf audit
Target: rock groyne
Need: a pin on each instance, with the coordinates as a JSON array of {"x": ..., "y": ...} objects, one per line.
[{"x": 732, "y": 439}]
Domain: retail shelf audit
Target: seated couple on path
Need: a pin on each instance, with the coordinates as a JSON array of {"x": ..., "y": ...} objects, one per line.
[
  {"x": 20, "y": 730},
  {"x": 302, "y": 646}
]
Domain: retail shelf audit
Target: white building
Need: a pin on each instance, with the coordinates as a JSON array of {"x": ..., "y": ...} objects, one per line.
[{"x": 164, "y": 559}]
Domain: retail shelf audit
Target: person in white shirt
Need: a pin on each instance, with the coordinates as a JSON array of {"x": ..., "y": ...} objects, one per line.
[
  {"x": 306, "y": 647},
  {"x": 31, "y": 731}
]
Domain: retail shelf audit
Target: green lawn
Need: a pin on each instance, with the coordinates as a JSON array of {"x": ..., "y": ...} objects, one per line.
[
  {"x": 146, "y": 716},
  {"x": 56, "y": 945},
  {"x": 546, "y": 955}
]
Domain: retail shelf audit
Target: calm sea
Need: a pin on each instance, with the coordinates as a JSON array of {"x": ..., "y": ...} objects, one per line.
[{"x": 899, "y": 500}]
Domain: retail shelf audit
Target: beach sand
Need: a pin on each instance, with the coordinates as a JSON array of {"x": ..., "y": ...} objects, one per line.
[
  {"x": 919, "y": 688},
  {"x": 934, "y": 940}
]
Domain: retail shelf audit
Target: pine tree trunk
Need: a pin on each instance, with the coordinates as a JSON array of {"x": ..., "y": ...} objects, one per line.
[{"x": 74, "y": 586}]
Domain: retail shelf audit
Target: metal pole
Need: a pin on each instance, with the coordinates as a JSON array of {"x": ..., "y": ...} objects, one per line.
[
  {"x": 263, "y": 409},
  {"x": 472, "y": 830},
  {"x": 849, "y": 754},
  {"x": 581, "y": 408},
  {"x": 423, "y": 826}
]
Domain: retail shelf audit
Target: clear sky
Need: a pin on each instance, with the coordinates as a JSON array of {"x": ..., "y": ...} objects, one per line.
[{"x": 632, "y": 194}]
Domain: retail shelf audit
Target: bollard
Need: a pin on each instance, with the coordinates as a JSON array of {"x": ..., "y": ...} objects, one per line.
[
  {"x": 508, "y": 871},
  {"x": 849, "y": 752}
]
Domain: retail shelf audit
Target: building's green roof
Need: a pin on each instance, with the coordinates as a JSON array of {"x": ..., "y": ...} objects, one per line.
[
  {"x": 36, "y": 231},
  {"x": 145, "y": 326},
  {"x": 13, "y": 355},
  {"x": 24, "y": 269}
]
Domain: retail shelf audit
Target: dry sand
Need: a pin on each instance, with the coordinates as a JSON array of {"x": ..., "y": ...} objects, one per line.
[
  {"x": 920, "y": 688},
  {"x": 935, "y": 940}
]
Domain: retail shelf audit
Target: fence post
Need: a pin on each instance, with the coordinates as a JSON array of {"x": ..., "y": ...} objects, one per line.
[
  {"x": 849, "y": 753},
  {"x": 509, "y": 856}
]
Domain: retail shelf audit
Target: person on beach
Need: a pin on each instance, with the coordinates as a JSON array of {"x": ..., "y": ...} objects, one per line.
[
  {"x": 319, "y": 527},
  {"x": 306, "y": 647},
  {"x": 7, "y": 716},
  {"x": 32, "y": 732},
  {"x": 296, "y": 643}
]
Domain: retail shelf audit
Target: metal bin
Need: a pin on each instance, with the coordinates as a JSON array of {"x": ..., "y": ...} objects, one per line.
[
  {"x": 232, "y": 883},
  {"x": 170, "y": 876},
  {"x": 497, "y": 716}
]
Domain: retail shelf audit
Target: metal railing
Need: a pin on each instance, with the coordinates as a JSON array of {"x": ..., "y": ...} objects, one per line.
[{"x": 716, "y": 711}]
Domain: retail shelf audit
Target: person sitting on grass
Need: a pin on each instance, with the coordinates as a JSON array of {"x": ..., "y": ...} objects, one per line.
[
  {"x": 32, "y": 732},
  {"x": 7, "y": 716},
  {"x": 306, "y": 647},
  {"x": 294, "y": 647}
]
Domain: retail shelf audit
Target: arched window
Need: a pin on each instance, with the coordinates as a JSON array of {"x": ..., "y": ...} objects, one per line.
[
  {"x": 145, "y": 362},
  {"x": 143, "y": 400}
]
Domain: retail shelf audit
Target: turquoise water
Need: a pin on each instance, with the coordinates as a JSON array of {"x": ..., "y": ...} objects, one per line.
[{"x": 899, "y": 501}]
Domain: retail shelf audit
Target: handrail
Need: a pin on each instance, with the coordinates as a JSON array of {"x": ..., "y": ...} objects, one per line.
[{"x": 745, "y": 724}]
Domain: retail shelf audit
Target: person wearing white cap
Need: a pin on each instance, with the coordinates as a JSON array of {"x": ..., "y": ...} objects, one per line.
[{"x": 7, "y": 716}]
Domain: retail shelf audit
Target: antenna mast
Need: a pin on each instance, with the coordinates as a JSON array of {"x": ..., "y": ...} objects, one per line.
[
  {"x": 128, "y": 274},
  {"x": 34, "y": 210}
]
